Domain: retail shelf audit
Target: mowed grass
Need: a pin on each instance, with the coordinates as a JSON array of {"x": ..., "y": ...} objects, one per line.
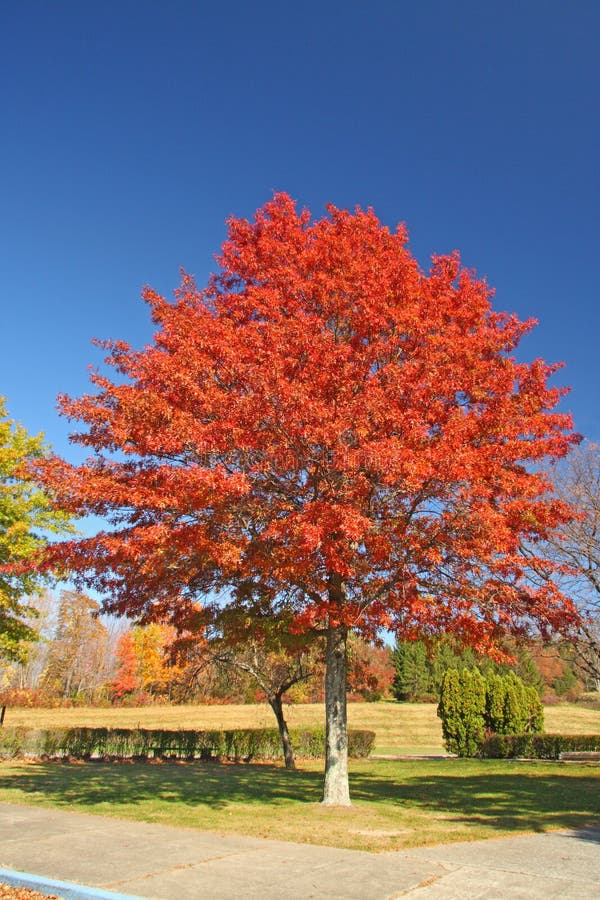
[
  {"x": 396, "y": 804},
  {"x": 401, "y": 728},
  {"x": 569, "y": 718}
]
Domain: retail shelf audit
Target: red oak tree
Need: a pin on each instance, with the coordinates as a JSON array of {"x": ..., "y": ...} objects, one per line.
[
  {"x": 370, "y": 670},
  {"x": 126, "y": 679},
  {"x": 329, "y": 428}
]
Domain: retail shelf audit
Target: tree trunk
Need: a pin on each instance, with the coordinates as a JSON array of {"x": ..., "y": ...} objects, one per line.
[
  {"x": 288, "y": 752},
  {"x": 336, "y": 791}
]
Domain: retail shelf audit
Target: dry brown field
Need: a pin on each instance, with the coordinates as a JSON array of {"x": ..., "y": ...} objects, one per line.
[{"x": 401, "y": 728}]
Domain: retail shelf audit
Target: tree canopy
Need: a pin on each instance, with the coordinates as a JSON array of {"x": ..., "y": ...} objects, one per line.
[
  {"x": 27, "y": 517},
  {"x": 329, "y": 428}
]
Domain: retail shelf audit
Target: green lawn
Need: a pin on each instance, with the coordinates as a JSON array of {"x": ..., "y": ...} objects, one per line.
[{"x": 395, "y": 804}]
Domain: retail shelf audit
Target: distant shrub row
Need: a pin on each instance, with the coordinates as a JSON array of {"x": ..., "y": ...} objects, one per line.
[
  {"x": 244, "y": 744},
  {"x": 537, "y": 746}
]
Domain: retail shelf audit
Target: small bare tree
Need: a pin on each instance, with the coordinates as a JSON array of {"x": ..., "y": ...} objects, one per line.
[
  {"x": 269, "y": 653},
  {"x": 576, "y": 544}
]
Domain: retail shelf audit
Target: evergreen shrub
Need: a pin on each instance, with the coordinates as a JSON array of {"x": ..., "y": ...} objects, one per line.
[
  {"x": 472, "y": 707},
  {"x": 462, "y": 711}
]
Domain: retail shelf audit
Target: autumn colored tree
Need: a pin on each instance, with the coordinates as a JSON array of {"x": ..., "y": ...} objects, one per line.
[
  {"x": 27, "y": 517},
  {"x": 247, "y": 637},
  {"x": 77, "y": 655},
  {"x": 152, "y": 647},
  {"x": 145, "y": 661},
  {"x": 329, "y": 426},
  {"x": 370, "y": 669},
  {"x": 126, "y": 679}
]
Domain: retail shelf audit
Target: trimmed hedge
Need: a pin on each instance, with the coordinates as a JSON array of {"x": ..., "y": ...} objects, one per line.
[
  {"x": 537, "y": 746},
  {"x": 144, "y": 743}
]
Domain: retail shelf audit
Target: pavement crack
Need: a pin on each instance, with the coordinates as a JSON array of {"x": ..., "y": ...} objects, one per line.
[
  {"x": 179, "y": 868},
  {"x": 513, "y": 870},
  {"x": 146, "y": 875},
  {"x": 415, "y": 887}
]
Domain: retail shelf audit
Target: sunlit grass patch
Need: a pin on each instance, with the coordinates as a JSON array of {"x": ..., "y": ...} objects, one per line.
[{"x": 396, "y": 804}]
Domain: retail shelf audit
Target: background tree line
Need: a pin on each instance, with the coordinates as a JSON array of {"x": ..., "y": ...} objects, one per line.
[
  {"x": 553, "y": 669},
  {"x": 81, "y": 657}
]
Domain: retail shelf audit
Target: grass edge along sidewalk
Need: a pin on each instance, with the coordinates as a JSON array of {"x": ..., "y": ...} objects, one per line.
[{"x": 396, "y": 804}]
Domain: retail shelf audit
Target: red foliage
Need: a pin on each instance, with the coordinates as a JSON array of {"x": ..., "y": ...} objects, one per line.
[
  {"x": 29, "y": 698},
  {"x": 548, "y": 662},
  {"x": 126, "y": 680},
  {"x": 370, "y": 671},
  {"x": 331, "y": 423}
]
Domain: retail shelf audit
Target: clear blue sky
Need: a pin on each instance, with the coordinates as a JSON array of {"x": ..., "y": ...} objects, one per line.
[{"x": 131, "y": 129}]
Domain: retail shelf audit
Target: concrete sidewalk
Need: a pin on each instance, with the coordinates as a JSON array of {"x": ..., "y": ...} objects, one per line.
[{"x": 157, "y": 861}]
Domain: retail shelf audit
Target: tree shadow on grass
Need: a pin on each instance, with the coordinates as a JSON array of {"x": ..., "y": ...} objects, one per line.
[
  {"x": 497, "y": 800},
  {"x": 206, "y": 784}
]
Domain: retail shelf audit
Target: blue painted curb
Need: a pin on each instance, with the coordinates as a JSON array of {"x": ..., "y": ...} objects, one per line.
[{"x": 64, "y": 889}]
